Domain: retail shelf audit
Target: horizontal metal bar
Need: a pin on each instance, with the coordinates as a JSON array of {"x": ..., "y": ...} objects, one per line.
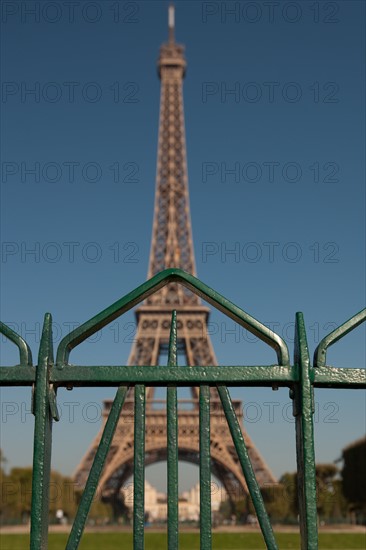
[
  {"x": 334, "y": 377},
  {"x": 17, "y": 376},
  {"x": 183, "y": 376},
  {"x": 230, "y": 375}
]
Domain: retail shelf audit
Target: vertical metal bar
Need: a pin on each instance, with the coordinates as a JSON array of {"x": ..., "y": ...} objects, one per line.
[
  {"x": 42, "y": 442},
  {"x": 172, "y": 444},
  {"x": 247, "y": 468},
  {"x": 303, "y": 411},
  {"x": 139, "y": 469},
  {"x": 205, "y": 469},
  {"x": 96, "y": 470}
]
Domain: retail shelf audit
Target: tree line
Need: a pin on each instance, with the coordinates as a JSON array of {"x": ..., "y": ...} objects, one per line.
[
  {"x": 16, "y": 497},
  {"x": 281, "y": 499},
  {"x": 341, "y": 495}
]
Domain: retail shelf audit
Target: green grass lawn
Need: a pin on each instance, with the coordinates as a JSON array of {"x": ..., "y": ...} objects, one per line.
[{"x": 189, "y": 541}]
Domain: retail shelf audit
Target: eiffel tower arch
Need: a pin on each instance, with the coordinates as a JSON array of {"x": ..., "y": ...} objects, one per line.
[
  {"x": 172, "y": 247},
  {"x": 224, "y": 462}
]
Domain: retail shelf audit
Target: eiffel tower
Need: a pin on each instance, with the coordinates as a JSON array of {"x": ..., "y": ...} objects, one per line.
[{"x": 172, "y": 246}]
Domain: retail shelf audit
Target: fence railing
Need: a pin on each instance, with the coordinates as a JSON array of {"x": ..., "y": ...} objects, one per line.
[{"x": 301, "y": 378}]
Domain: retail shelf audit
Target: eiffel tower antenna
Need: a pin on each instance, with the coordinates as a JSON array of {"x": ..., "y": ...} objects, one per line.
[
  {"x": 172, "y": 246},
  {"x": 171, "y": 23}
]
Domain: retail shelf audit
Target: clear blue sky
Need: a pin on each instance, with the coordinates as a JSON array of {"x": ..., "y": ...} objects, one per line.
[{"x": 277, "y": 96}]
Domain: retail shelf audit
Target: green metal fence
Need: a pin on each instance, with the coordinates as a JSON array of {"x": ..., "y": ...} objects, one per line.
[{"x": 301, "y": 378}]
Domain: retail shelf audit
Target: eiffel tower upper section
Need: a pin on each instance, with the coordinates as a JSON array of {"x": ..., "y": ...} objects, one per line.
[{"x": 172, "y": 244}]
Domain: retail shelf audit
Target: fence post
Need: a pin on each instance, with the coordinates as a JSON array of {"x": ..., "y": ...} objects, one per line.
[
  {"x": 303, "y": 411},
  {"x": 42, "y": 441}
]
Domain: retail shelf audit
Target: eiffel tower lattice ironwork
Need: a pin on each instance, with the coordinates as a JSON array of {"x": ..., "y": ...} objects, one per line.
[{"x": 172, "y": 246}]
